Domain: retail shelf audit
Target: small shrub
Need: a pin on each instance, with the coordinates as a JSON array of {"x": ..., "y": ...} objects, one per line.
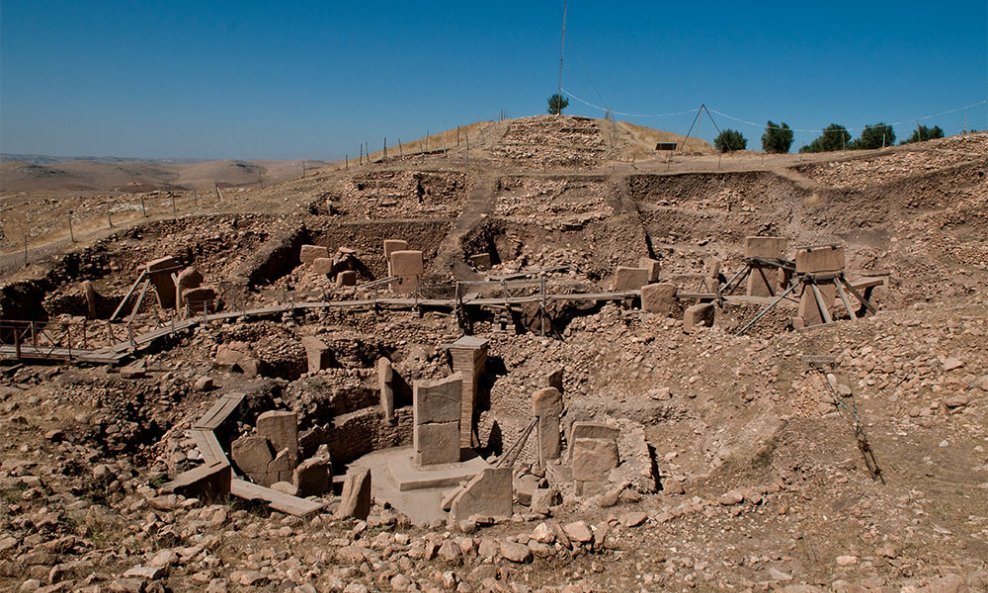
[
  {"x": 834, "y": 137},
  {"x": 777, "y": 138},
  {"x": 922, "y": 133},
  {"x": 730, "y": 140},
  {"x": 557, "y": 103}
]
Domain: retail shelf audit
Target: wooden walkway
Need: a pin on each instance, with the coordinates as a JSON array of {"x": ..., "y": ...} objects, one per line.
[{"x": 114, "y": 353}]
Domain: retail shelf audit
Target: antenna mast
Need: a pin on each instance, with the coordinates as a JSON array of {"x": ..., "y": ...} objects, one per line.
[{"x": 562, "y": 46}]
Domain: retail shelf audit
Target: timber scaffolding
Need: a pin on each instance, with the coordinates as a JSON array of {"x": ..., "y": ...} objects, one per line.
[{"x": 73, "y": 341}]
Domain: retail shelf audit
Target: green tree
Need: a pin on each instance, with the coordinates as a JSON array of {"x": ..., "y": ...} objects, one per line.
[
  {"x": 557, "y": 103},
  {"x": 924, "y": 133},
  {"x": 834, "y": 137},
  {"x": 730, "y": 140},
  {"x": 777, "y": 138},
  {"x": 875, "y": 136}
]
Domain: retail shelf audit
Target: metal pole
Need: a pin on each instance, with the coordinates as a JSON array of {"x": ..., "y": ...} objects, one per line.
[{"x": 562, "y": 47}]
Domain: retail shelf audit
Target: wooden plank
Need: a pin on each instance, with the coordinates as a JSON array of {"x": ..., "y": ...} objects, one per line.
[
  {"x": 209, "y": 446},
  {"x": 219, "y": 412},
  {"x": 867, "y": 283},
  {"x": 286, "y": 503}
]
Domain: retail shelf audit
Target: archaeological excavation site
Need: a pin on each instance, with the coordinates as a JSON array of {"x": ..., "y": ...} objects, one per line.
[{"x": 534, "y": 355}]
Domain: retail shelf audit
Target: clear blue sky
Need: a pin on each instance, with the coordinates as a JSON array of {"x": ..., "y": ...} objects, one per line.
[{"x": 288, "y": 80}]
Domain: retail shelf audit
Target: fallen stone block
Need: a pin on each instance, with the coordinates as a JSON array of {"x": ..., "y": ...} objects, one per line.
[
  {"x": 356, "y": 498},
  {"x": 652, "y": 266},
  {"x": 701, "y": 314},
  {"x": 208, "y": 482},
  {"x": 308, "y": 253},
  {"x": 488, "y": 494}
]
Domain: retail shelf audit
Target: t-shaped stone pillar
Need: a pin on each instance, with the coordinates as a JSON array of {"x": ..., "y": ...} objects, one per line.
[
  {"x": 764, "y": 280},
  {"x": 436, "y": 413},
  {"x": 469, "y": 356}
]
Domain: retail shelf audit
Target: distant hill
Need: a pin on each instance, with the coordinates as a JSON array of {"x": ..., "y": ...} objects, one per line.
[{"x": 46, "y": 174}]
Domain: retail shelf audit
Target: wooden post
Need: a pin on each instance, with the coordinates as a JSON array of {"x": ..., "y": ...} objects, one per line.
[
  {"x": 34, "y": 335},
  {"x": 109, "y": 216},
  {"x": 144, "y": 209},
  {"x": 173, "y": 205},
  {"x": 542, "y": 306},
  {"x": 385, "y": 148},
  {"x": 400, "y": 153},
  {"x": 17, "y": 341},
  {"x": 71, "y": 231},
  {"x": 347, "y": 165},
  {"x": 303, "y": 168},
  {"x": 68, "y": 338}
]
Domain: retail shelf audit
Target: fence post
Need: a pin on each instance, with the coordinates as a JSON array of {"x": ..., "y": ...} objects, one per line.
[
  {"x": 71, "y": 232},
  {"x": 173, "y": 206},
  {"x": 144, "y": 209},
  {"x": 385, "y": 148},
  {"x": 109, "y": 216}
]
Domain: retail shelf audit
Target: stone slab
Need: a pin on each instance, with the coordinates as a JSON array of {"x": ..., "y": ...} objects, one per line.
[
  {"x": 653, "y": 267},
  {"x": 699, "y": 315},
  {"x": 767, "y": 247},
  {"x": 437, "y": 401},
  {"x": 820, "y": 260},
  {"x": 208, "y": 482},
  {"x": 436, "y": 443},
  {"x": 346, "y": 278},
  {"x": 593, "y": 459},
  {"x": 309, "y": 253},
  {"x": 488, "y": 494},
  {"x": 280, "y": 427},
  {"x": 321, "y": 266},
  {"x": 660, "y": 299},
  {"x": 593, "y": 430},
  {"x": 392, "y": 245},
  {"x": 629, "y": 278},
  {"x": 407, "y": 263},
  {"x": 355, "y": 502}
]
